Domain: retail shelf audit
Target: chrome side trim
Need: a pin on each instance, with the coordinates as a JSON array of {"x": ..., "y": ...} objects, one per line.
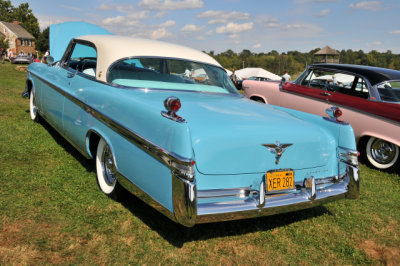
[
  {"x": 154, "y": 150},
  {"x": 135, "y": 190}
]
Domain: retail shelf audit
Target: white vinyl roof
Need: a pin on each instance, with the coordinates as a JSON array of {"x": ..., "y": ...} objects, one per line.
[
  {"x": 256, "y": 72},
  {"x": 111, "y": 48}
]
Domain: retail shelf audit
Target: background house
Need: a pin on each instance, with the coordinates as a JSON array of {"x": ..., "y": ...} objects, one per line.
[{"x": 19, "y": 39}]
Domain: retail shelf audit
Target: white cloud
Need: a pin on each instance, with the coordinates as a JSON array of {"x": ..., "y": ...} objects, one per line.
[
  {"x": 168, "y": 23},
  {"x": 45, "y": 20},
  {"x": 258, "y": 45},
  {"x": 115, "y": 7},
  {"x": 170, "y": 4},
  {"x": 268, "y": 22},
  {"x": 131, "y": 19},
  {"x": 234, "y": 36},
  {"x": 191, "y": 28},
  {"x": 221, "y": 17},
  {"x": 368, "y": 5},
  {"x": 160, "y": 33},
  {"x": 293, "y": 26},
  {"x": 232, "y": 28},
  {"x": 395, "y": 32},
  {"x": 323, "y": 13}
]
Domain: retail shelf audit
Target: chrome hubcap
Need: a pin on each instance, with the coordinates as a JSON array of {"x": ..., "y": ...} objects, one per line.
[
  {"x": 109, "y": 171},
  {"x": 382, "y": 151}
]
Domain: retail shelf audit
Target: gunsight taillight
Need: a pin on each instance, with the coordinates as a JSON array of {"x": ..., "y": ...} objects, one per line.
[{"x": 172, "y": 104}]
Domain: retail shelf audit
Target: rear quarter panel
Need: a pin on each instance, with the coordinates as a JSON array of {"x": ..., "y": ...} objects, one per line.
[{"x": 266, "y": 90}]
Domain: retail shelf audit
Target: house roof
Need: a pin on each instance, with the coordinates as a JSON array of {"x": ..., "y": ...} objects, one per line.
[
  {"x": 18, "y": 30},
  {"x": 327, "y": 51},
  {"x": 2, "y": 35}
]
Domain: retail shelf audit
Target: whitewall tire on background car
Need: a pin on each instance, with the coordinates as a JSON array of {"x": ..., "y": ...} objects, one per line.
[
  {"x": 33, "y": 110},
  {"x": 106, "y": 171},
  {"x": 381, "y": 154}
]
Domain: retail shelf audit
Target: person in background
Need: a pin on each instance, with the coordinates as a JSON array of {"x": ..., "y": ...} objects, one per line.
[
  {"x": 234, "y": 78},
  {"x": 286, "y": 77},
  {"x": 2, "y": 55}
]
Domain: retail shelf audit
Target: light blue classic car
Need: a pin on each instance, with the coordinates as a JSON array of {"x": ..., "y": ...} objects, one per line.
[{"x": 165, "y": 122}]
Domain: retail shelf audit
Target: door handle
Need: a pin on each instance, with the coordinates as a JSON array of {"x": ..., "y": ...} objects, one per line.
[{"x": 325, "y": 93}]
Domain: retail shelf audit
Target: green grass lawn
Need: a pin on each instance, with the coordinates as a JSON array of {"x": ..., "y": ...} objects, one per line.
[{"x": 51, "y": 212}]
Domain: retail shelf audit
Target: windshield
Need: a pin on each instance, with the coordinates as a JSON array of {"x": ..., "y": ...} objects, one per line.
[
  {"x": 170, "y": 74},
  {"x": 389, "y": 91}
]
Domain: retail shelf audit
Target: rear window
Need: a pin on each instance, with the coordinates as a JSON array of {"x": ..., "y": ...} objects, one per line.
[
  {"x": 173, "y": 74},
  {"x": 389, "y": 91}
]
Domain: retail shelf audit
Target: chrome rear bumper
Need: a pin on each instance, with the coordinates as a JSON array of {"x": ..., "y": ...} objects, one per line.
[
  {"x": 205, "y": 206},
  {"x": 192, "y": 206}
]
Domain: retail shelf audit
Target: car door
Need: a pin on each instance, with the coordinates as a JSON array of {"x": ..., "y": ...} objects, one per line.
[
  {"x": 310, "y": 95},
  {"x": 79, "y": 69}
]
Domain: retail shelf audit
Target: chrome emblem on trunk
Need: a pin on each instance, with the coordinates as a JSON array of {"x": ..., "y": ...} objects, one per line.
[{"x": 277, "y": 149}]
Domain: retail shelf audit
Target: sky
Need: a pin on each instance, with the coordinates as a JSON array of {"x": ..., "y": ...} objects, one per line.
[{"x": 256, "y": 25}]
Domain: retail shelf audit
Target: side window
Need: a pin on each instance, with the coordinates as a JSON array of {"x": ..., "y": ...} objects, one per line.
[{"x": 83, "y": 59}]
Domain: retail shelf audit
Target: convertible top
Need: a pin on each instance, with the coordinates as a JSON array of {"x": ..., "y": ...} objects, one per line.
[{"x": 375, "y": 75}]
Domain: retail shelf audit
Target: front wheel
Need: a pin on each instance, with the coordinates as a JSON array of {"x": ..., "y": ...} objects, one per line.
[
  {"x": 382, "y": 154},
  {"x": 106, "y": 172},
  {"x": 33, "y": 110}
]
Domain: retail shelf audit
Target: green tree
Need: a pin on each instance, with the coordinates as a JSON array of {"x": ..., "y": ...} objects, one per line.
[
  {"x": 22, "y": 13},
  {"x": 3, "y": 43},
  {"x": 6, "y": 10},
  {"x": 42, "y": 43}
]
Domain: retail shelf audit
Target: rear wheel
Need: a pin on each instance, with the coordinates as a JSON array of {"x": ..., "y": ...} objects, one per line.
[
  {"x": 382, "y": 154},
  {"x": 106, "y": 172},
  {"x": 33, "y": 110}
]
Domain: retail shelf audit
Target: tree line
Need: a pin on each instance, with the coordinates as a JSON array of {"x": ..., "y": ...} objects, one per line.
[
  {"x": 273, "y": 61},
  {"x": 295, "y": 61}
]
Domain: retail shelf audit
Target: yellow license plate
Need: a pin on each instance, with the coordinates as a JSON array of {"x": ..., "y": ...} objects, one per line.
[{"x": 280, "y": 179}]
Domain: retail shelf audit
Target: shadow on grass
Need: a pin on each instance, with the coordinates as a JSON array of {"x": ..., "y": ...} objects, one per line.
[
  {"x": 176, "y": 234},
  {"x": 88, "y": 164}
]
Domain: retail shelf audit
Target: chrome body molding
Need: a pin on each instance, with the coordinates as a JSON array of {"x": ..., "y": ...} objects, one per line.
[{"x": 154, "y": 150}]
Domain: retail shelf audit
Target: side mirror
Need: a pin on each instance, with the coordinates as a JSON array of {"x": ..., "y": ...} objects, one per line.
[{"x": 50, "y": 60}]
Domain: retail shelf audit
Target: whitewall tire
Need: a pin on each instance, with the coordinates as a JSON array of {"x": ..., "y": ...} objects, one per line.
[
  {"x": 106, "y": 171},
  {"x": 382, "y": 154},
  {"x": 33, "y": 110}
]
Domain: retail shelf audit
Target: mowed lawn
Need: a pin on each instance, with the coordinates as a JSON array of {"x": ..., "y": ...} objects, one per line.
[{"x": 52, "y": 212}]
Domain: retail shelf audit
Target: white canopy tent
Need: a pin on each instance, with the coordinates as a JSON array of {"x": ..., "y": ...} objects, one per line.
[
  {"x": 230, "y": 73},
  {"x": 256, "y": 72}
]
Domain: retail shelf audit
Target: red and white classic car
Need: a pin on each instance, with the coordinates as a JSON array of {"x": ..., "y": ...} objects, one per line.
[{"x": 368, "y": 97}]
